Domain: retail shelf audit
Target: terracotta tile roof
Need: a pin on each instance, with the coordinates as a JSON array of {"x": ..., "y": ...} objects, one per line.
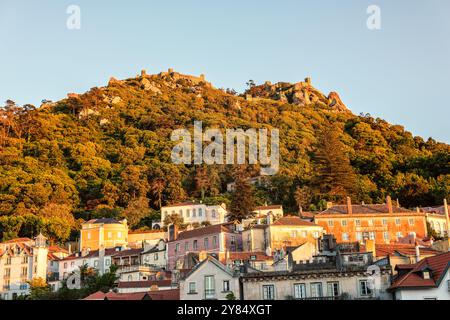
[
  {"x": 271, "y": 207},
  {"x": 103, "y": 220},
  {"x": 92, "y": 254},
  {"x": 293, "y": 221},
  {"x": 117, "y": 296},
  {"x": 144, "y": 284},
  {"x": 214, "y": 229},
  {"x": 18, "y": 240},
  {"x": 57, "y": 249},
  {"x": 307, "y": 214},
  {"x": 364, "y": 209},
  {"x": 172, "y": 294},
  {"x": 129, "y": 252},
  {"x": 438, "y": 265},
  {"x": 182, "y": 204},
  {"x": 244, "y": 256},
  {"x": 383, "y": 250}
]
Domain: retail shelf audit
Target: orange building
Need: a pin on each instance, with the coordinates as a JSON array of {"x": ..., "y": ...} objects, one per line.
[
  {"x": 105, "y": 232},
  {"x": 383, "y": 223}
]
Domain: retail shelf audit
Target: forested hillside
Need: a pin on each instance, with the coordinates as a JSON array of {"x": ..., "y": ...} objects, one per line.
[{"x": 107, "y": 153}]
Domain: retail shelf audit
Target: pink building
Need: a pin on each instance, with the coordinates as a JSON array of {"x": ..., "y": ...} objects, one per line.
[{"x": 216, "y": 239}]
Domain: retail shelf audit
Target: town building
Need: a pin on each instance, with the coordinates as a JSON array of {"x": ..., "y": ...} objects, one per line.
[
  {"x": 137, "y": 239},
  {"x": 144, "y": 286},
  {"x": 217, "y": 239},
  {"x": 438, "y": 219},
  {"x": 195, "y": 213},
  {"x": 172, "y": 294},
  {"x": 347, "y": 275},
  {"x": 210, "y": 280},
  {"x": 155, "y": 256},
  {"x": 260, "y": 214},
  {"x": 288, "y": 231},
  {"x": 429, "y": 279},
  {"x": 384, "y": 223},
  {"x": 21, "y": 260},
  {"x": 104, "y": 232}
]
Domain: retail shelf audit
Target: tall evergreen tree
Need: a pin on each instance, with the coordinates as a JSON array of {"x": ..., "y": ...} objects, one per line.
[
  {"x": 335, "y": 178},
  {"x": 242, "y": 199}
]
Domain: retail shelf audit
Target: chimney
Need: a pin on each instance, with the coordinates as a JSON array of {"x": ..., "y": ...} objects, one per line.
[
  {"x": 417, "y": 252},
  {"x": 447, "y": 217},
  {"x": 349, "y": 205},
  {"x": 389, "y": 204}
]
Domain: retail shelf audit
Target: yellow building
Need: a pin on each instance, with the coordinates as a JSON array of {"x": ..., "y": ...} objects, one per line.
[
  {"x": 286, "y": 232},
  {"x": 105, "y": 232}
]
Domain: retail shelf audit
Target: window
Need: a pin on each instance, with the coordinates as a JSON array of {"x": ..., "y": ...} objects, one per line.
[
  {"x": 386, "y": 235},
  {"x": 192, "y": 288},
  {"x": 23, "y": 286},
  {"x": 213, "y": 213},
  {"x": 7, "y": 273},
  {"x": 72, "y": 264},
  {"x": 119, "y": 234},
  {"x": 294, "y": 233},
  {"x": 316, "y": 290},
  {"x": 268, "y": 292},
  {"x": 233, "y": 240},
  {"x": 411, "y": 221},
  {"x": 181, "y": 212},
  {"x": 96, "y": 264},
  {"x": 65, "y": 265},
  {"x": 206, "y": 243},
  {"x": 304, "y": 234},
  {"x": 372, "y": 235},
  {"x": 177, "y": 248},
  {"x": 316, "y": 234},
  {"x": 24, "y": 272},
  {"x": 333, "y": 289},
  {"x": 215, "y": 241},
  {"x": 448, "y": 285},
  {"x": 186, "y": 246},
  {"x": 194, "y": 213},
  {"x": 397, "y": 221},
  {"x": 426, "y": 275},
  {"x": 344, "y": 223},
  {"x": 358, "y": 236},
  {"x": 364, "y": 288},
  {"x": 155, "y": 257},
  {"x": 130, "y": 278},
  {"x": 210, "y": 291},
  {"x": 194, "y": 245},
  {"x": 108, "y": 262},
  {"x": 8, "y": 261},
  {"x": 358, "y": 222},
  {"x": 253, "y": 257},
  {"x": 299, "y": 291},
  {"x": 188, "y": 213},
  {"x": 345, "y": 236},
  {"x": 109, "y": 235},
  {"x": 226, "y": 286},
  {"x": 330, "y": 223},
  {"x": 200, "y": 212},
  {"x": 385, "y": 222},
  {"x": 89, "y": 235},
  {"x": 399, "y": 234},
  {"x": 25, "y": 259},
  {"x": 370, "y": 222}
]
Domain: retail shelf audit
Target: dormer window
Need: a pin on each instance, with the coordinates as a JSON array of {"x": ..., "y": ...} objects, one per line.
[{"x": 426, "y": 275}]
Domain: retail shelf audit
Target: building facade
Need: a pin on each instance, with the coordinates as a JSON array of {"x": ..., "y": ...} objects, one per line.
[
  {"x": 195, "y": 213},
  {"x": 383, "y": 223},
  {"x": 21, "y": 260},
  {"x": 105, "y": 232}
]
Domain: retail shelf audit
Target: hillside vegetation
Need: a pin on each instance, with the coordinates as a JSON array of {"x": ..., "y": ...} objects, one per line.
[{"x": 107, "y": 153}]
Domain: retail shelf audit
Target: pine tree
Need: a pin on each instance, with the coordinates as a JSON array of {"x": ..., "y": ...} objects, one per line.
[
  {"x": 335, "y": 177},
  {"x": 242, "y": 199}
]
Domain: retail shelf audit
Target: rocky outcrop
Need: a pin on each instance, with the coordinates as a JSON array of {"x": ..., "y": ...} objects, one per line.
[{"x": 301, "y": 94}]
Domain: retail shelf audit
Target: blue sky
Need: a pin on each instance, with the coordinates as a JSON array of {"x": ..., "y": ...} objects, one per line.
[{"x": 399, "y": 73}]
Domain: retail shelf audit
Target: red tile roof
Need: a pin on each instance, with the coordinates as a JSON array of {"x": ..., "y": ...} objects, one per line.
[
  {"x": 172, "y": 294},
  {"x": 272, "y": 207},
  {"x": 214, "y": 229},
  {"x": 244, "y": 256},
  {"x": 383, "y": 250},
  {"x": 117, "y": 296},
  {"x": 129, "y": 252},
  {"x": 364, "y": 209},
  {"x": 144, "y": 284},
  {"x": 293, "y": 221},
  {"x": 438, "y": 266},
  {"x": 18, "y": 240}
]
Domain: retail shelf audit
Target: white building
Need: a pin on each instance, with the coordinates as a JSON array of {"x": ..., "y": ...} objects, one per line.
[
  {"x": 209, "y": 280},
  {"x": 429, "y": 279},
  {"x": 21, "y": 260},
  {"x": 193, "y": 212},
  {"x": 155, "y": 256}
]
